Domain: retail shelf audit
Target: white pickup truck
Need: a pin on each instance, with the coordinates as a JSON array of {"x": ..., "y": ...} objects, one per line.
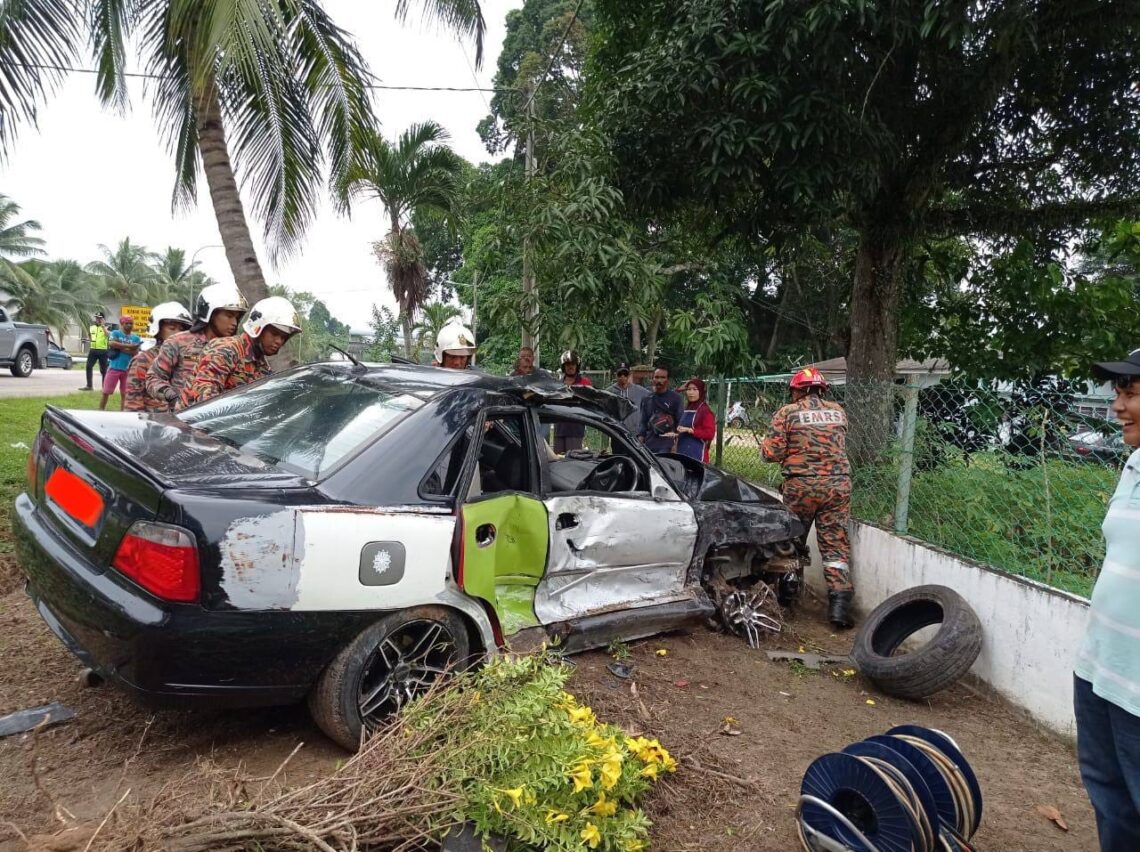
[{"x": 23, "y": 346}]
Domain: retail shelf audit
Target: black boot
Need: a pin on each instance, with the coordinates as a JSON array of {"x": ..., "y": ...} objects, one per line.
[{"x": 839, "y": 609}]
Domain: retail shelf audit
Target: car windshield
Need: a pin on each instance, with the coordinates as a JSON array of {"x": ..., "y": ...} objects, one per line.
[{"x": 306, "y": 421}]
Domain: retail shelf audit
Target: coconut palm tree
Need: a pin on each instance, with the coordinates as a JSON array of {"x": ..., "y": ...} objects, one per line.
[
  {"x": 417, "y": 173},
  {"x": 123, "y": 275},
  {"x": 174, "y": 279},
  {"x": 273, "y": 87},
  {"x": 54, "y": 293},
  {"x": 17, "y": 239},
  {"x": 433, "y": 318}
]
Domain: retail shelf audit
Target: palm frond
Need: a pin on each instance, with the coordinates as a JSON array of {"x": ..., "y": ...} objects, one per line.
[
  {"x": 17, "y": 239},
  {"x": 37, "y": 38},
  {"x": 110, "y": 22},
  {"x": 465, "y": 17},
  {"x": 401, "y": 255}
]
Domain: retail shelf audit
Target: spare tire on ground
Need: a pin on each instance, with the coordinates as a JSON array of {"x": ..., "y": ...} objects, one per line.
[{"x": 937, "y": 664}]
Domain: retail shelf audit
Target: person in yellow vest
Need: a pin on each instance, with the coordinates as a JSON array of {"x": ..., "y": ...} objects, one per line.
[{"x": 97, "y": 350}]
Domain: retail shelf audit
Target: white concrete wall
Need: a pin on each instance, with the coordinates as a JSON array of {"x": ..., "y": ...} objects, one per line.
[{"x": 1030, "y": 632}]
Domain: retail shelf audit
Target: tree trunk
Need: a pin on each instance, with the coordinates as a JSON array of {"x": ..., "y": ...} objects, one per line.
[
  {"x": 232, "y": 224},
  {"x": 789, "y": 283},
  {"x": 872, "y": 354},
  {"x": 635, "y": 341},
  {"x": 651, "y": 341},
  {"x": 406, "y": 321}
]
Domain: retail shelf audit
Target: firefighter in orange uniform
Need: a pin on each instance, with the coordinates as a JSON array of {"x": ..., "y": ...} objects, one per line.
[{"x": 808, "y": 439}]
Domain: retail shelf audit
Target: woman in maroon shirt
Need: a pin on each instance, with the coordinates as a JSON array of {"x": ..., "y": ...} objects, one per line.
[{"x": 698, "y": 424}]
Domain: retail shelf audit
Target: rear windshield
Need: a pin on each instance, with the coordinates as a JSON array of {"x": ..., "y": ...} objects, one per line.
[{"x": 305, "y": 422}]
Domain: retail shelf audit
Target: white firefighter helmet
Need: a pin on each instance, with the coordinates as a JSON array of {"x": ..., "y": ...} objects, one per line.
[
  {"x": 456, "y": 339},
  {"x": 219, "y": 297},
  {"x": 168, "y": 312},
  {"x": 276, "y": 311}
]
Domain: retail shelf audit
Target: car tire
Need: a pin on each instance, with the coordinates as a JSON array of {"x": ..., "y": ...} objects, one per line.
[
  {"x": 24, "y": 364},
  {"x": 735, "y": 423},
  {"x": 933, "y": 667},
  {"x": 385, "y": 667}
]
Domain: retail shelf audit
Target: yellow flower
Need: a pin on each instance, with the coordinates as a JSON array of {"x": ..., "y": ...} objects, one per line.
[
  {"x": 635, "y": 844},
  {"x": 871, "y": 701},
  {"x": 515, "y": 795},
  {"x": 529, "y": 798},
  {"x": 581, "y": 776},
  {"x": 595, "y": 739},
  {"x": 556, "y": 816},
  {"x": 603, "y": 807},
  {"x": 650, "y": 770},
  {"x": 662, "y": 652},
  {"x": 668, "y": 763},
  {"x": 565, "y": 699},
  {"x": 581, "y": 716},
  {"x": 591, "y": 836},
  {"x": 611, "y": 769}
]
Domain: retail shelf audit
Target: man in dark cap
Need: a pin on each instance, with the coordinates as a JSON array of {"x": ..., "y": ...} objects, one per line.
[{"x": 626, "y": 389}]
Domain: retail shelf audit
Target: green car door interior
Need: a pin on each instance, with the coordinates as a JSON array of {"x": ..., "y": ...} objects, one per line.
[{"x": 504, "y": 555}]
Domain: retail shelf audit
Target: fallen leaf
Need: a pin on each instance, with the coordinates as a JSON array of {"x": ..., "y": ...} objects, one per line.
[
  {"x": 633, "y": 688},
  {"x": 871, "y": 701},
  {"x": 680, "y": 684},
  {"x": 730, "y": 731},
  {"x": 803, "y": 650},
  {"x": 1053, "y": 815},
  {"x": 661, "y": 652},
  {"x": 731, "y": 720},
  {"x": 786, "y": 694}
]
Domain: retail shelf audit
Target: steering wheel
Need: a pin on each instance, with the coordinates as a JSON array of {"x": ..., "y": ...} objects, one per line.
[{"x": 617, "y": 473}]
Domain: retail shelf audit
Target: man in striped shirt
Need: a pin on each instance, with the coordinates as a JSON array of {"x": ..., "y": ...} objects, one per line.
[{"x": 1106, "y": 685}]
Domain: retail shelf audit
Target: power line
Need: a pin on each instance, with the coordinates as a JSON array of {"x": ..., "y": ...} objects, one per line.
[{"x": 145, "y": 76}]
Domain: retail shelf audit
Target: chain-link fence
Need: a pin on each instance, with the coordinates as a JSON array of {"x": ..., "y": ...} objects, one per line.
[{"x": 1013, "y": 475}]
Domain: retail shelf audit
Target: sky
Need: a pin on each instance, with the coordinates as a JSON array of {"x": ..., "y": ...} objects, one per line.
[{"x": 92, "y": 177}]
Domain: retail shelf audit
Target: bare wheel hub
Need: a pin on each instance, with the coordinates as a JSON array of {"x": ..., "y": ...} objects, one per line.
[{"x": 752, "y": 613}]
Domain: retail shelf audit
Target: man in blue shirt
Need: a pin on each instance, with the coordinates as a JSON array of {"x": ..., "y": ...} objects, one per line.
[
  {"x": 660, "y": 414},
  {"x": 123, "y": 345},
  {"x": 1106, "y": 683}
]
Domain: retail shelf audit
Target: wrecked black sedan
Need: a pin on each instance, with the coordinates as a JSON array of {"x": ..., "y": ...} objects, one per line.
[{"x": 346, "y": 533}]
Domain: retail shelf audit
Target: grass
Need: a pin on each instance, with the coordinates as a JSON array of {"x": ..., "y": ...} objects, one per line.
[
  {"x": 19, "y": 422},
  {"x": 1041, "y": 521}
]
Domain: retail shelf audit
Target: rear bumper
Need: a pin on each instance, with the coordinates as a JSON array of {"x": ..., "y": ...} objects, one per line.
[{"x": 172, "y": 654}]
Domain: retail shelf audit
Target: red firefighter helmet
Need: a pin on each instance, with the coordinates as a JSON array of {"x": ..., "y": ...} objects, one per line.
[{"x": 808, "y": 377}]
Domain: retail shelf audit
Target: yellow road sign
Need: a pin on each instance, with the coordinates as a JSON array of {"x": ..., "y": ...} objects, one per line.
[{"x": 141, "y": 315}]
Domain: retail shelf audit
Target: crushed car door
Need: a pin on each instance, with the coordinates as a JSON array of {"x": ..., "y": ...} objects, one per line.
[
  {"x": 610, "y": 551},
  {"x": 503, "y": 523}
]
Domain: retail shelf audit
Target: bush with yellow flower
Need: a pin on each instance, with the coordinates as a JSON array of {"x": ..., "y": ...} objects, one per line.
[{"x": 535, "y": 766}]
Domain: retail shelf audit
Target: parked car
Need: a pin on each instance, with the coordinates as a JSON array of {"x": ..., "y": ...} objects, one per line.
[
  {"x": 57, "y": 356},
  {"x": 347, "y": 533},
  {"x": 1099, "y": 447},
  {"x": 23, "y": 346}
]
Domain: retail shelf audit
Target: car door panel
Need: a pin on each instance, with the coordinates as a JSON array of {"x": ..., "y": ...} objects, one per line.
[
  {"x": 504, "y": 554},
  {"x": 608, "y": 552}
]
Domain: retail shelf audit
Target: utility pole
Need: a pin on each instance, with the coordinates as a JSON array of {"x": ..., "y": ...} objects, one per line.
[
  {"x": 530, "y": 307},
  {"x": 474, "y": 309}
]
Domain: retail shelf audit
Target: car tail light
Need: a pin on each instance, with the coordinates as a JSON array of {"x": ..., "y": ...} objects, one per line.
[
  {"x": 1083, "y": 451},
  {"x": 76, "y": 497},
  {"x": 30, "y": 473},
  {"x": 162, "y": 559}
]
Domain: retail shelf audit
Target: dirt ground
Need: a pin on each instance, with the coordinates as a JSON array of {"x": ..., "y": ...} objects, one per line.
[{"x": 731, "y": 792}]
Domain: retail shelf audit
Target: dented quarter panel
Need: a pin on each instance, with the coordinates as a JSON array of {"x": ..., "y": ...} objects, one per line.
[
  {"x": 622, "y": 551},
  {"x": 330, "y": 563}
]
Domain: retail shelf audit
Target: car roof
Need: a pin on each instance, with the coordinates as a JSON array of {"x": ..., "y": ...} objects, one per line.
[{"x": 432, "y": 381}]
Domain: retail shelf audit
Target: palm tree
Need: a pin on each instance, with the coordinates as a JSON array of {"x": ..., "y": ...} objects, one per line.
[
  {"x": 419, "y": 173},
  {"x": 273, "y": 86},
  {"x": 54, "y": 293},
  {"x": 17, "y": 239},
  {"x": 432, "y": 319},
  {"x": 123, "y": 275},
  {"x": 175, "y": 280}
]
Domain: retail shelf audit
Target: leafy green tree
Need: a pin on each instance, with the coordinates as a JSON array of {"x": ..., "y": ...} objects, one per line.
[
  {"x": 273, "y": 90},
  {"x": 385, "y": 329},
  {"x": 418, "y": 172},
  {"x": 174, "y": 279},
  {"x": 904, "y": 119},
  {"x": 544, "y": 36}
]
